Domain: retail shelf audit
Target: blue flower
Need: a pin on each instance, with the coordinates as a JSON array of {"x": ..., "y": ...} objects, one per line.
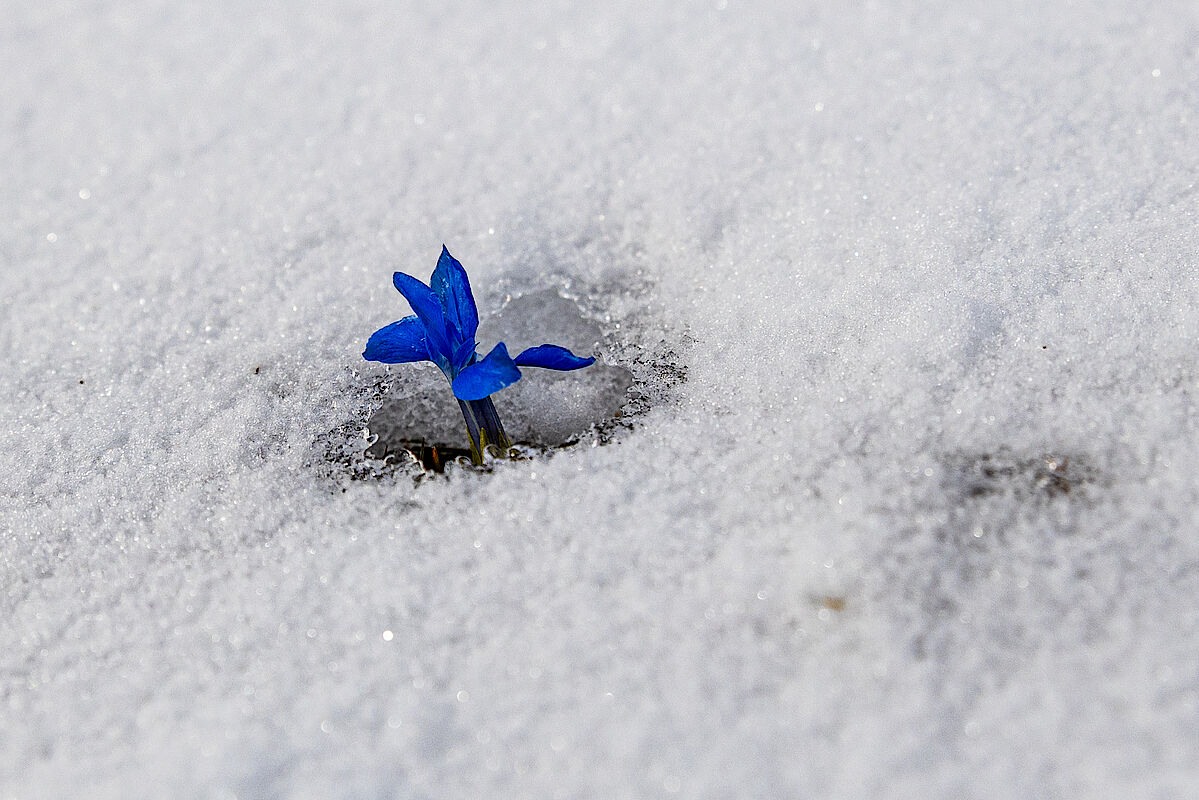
[{"x": 443, "y": 331}]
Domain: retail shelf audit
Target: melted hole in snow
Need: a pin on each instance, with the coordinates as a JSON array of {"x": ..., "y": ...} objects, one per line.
[{"x": 545, "y": 409}]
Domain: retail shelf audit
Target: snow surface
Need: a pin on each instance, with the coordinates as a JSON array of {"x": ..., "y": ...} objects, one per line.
[{"x": 921, "y": 521}]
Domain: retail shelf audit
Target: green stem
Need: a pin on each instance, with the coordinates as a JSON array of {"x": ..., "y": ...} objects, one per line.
[
  {"x": 489, "y": 427},
  {"x": 491, "y": 430},
  {"x": 485, "y": 429}
]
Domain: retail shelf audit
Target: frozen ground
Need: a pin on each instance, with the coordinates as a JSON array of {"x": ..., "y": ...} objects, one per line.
[{"x": 921, "y": 521}]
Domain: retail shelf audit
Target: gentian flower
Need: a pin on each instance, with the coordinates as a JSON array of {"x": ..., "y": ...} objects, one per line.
[{"x": 443, "y": 331}]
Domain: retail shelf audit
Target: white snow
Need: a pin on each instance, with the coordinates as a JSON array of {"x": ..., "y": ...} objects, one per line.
[{"x": 922, "y": 520}]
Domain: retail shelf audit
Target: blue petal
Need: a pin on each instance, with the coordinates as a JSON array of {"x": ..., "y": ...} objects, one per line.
[
  {"x": 398, "y": 343},
  {"x": 551, "y": 356},
  {"x": 463, "y": 356},
  {"x": 449, "y": 282},
  {"x": 428, "y": 307},
  {"x": 487, "y": 376}
]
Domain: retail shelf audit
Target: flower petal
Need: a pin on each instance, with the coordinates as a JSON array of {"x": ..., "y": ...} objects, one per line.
[
  {"x": 463, "y": 356},
  {"x": 428, "y": 307},
  {"x": 449, "y": 282},
  {"x": 551, "y": 356},
  {"x": 487, "y": 376},
  {"x": 398, "y": 343}
]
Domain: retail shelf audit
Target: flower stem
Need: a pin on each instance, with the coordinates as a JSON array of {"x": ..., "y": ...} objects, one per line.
[
  {"x": 484, "y": 426},
  {"x": 472, "y": 428},
  {"x": 491, "y": 430}
]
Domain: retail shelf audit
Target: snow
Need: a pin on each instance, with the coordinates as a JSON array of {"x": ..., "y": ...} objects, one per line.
[{"x": 905, "y": 502}]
